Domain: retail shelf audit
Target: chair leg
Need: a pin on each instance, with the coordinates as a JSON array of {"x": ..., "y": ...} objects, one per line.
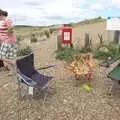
[
  {"x": 110, "y": 90},
  {"x": 45, "y": 96},
  {"x": 19, "y": 91}
]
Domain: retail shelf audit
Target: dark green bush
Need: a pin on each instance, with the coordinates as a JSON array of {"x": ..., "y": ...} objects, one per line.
[
  {"x": 41, "y": 34},
  {"x": 33, "y": 38},
  {"x": 101, "y": 54},
  {"x": 51, "y": 30},
  {"x": 19, "y": 38},
  {"x": 66, "y": 53},
  {"x": 114, "y": 49},
  {"x": 46, "y": 32}
]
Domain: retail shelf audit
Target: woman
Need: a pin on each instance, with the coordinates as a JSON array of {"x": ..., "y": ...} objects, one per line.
[
  {"x": 8, "y": 49},
  {"x": 1, "y": 62}
]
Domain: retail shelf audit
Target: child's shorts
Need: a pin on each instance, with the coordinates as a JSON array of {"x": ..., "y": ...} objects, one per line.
[{"x": 8, "y": 51}]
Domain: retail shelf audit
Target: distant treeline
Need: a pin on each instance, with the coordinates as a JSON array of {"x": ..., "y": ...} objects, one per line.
[{"x": 21, "y": 26}]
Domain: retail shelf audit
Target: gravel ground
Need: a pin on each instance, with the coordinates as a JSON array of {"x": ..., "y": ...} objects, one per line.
[{"x": 68, "y": 101}]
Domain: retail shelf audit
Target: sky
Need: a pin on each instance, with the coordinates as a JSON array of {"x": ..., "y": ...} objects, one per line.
[{"x": 49, "y": 12}]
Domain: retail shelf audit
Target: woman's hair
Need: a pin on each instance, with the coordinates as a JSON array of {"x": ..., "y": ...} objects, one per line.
[
  {"x": 5, "y": 13},
  {"x": 1, "y": 12}
]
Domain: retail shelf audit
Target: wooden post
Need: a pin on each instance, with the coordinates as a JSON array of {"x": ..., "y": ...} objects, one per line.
[
  {"x": 59, "y": 43},
  {"x": 87, "y": 40},
  {"x": 116, "y": 36},
  {"x": 100, "y": 36},
  {"x": 1, "y": 63}
]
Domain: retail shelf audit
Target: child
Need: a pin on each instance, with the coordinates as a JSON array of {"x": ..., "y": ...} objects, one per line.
[
  {"x": 8, "y": 49},
  {"x": 1, "y": 62}
]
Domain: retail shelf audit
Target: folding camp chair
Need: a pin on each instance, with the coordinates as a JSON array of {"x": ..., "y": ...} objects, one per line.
[{"x": 27, "y": 74}]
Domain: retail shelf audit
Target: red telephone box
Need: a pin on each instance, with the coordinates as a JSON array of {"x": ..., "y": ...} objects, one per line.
[{"x": 67, "y": 35}]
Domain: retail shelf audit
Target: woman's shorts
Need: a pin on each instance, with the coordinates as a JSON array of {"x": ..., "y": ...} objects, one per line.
[{"x": 8, "y": 51}]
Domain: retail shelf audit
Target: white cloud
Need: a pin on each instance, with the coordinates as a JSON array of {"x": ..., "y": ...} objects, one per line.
[
  {"x": 116, "y": 3},
  {"x": 44, "y": 12},
  {"x": 96, "y": 7}
]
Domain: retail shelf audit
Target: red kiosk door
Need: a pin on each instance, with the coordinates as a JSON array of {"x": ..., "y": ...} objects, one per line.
[{"x": 67, "y": 35}]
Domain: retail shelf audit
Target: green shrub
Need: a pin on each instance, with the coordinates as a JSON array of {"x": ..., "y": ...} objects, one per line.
[
  {"x": 114, "y": 49},
  {"x": 111, "y": 49},
  {"x": 101, "y": 54},
  {"x": 24, "y": 51},
  {"x": 66, "y": 53},
  {"x": 51, "y": 30},
  {"x": 41, "y": 34},
  {"x": 46, "y": 32},
  {"x": 19, "y": 38},
  {"x": 33, "y": 38}
]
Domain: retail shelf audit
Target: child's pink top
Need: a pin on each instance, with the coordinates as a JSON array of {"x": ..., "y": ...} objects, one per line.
[{"x": 5, "y": 24}]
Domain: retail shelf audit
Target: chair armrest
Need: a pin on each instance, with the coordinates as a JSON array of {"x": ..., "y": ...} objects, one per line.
[
  {"x": 46, "y": 67},
  {"x": 27, "y": 80}
]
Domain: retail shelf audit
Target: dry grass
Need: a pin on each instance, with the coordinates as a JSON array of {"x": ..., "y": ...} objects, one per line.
[{"x": 69, "y": 101}]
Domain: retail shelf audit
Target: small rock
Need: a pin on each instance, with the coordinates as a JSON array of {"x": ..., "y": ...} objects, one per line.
[
  {"x": 6, "y": 85},
  {"x": 65, "y": 101}
]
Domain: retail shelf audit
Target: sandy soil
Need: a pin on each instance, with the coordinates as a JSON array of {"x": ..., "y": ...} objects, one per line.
[{"x": 68, "y": 101}]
